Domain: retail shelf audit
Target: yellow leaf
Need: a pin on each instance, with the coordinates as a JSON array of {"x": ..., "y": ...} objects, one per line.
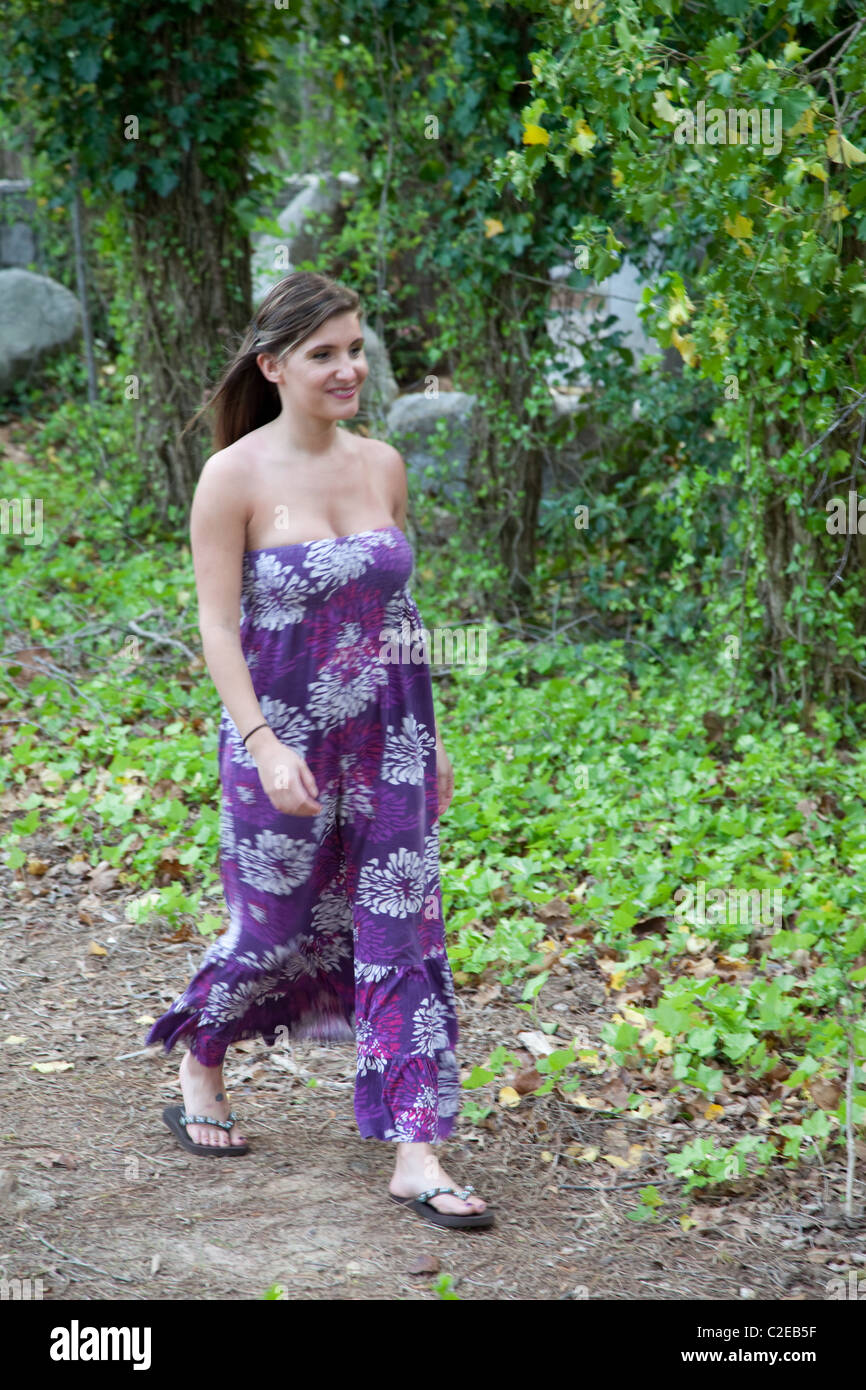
[
  {"x": 615, "y": 1161},
  {"x": 713, "y": 1112},
  {"x": 838, "y": 212},
  {"x": 583, "y": 139},
  {"x": 13, "y": 1040},
  {"x": 739, "y": 227},
  {"x": 843, "y": 152},
  {"x": 508, "y": 1096},
  {"x": 816, "y": 170},
  {"x": 663, "y": 108},
  {"x": 587, "y": 1155},
  {"x": 634, "y": 1016},
  {"x": 686, "y": 1222},
  {"x": 546, "y": 1156},
  {"x": 617, "y": 178},
  {"x": 806, "y": 123},
  {"x": 680, "y": 308},
  {"x": 587, "y": 1102},
  {"x": 685, "y": 347},
  {"x": 634, "y": 1152},
  {"x": 52, "y": 1066},
  {"x": 535, "y": 135},
  {"x": 617, "y": 979},
  {"x": 94, "y": 949},
  {"x": 145, "y": 1018},
  {"x": 658, "y": 1040},
  {"x": 492, "y": 226}
]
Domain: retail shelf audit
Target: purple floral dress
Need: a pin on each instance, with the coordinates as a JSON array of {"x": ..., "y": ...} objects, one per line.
[{"x": 336, "y": 919}]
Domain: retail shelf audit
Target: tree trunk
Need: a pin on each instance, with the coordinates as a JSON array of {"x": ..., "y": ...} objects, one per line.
[{"x": 191, "y": 269}]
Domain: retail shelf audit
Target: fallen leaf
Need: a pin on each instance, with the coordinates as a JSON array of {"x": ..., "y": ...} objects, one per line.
[
  {"x": 587, "y": 1102},
  {"x": 52, "y": 1066},
  {"x": 616, "y": 1094},
  {"x": 825, "y": 1094},
  {"x": 615, "y": 1161},
  {"x": 94, "y": 949},
  {"x": 424, "y": 1264},
  {"x": 527, "y": 1081},
  {"x": 508, "y": 1096},
  {"x": 713, "y": 1112},
  {"x": 556, "y": 908}
]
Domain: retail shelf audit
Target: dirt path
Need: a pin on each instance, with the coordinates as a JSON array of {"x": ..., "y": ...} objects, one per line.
[{"x": 100, "y": 1203}]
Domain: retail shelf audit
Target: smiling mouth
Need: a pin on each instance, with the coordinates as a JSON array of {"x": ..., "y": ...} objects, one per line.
[{"x": 342, "y": 391}]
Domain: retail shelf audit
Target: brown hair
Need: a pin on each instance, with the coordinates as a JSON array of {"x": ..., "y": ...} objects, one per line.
[{"x": 290, "y": 312}]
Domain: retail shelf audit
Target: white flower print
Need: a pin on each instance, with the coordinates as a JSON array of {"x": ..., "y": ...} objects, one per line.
[
  {"x": 356, "y": 802},
  {"x": 282, "y": 960},
  {"x": 405, "y": 752},
  {"x": 371, "y": 1054},
  {"x": 333, "y": 699},
  {"x": 227, "y": 842},
  {"x": 395, "y": 890},
  {"x": 278, "y": 593},
  {"x": 449, "y": 1084},
  {"x": 419, "y": 1117},
  {"x": 431, "y": 856},
  {"x": 369, "y": 970},
  {"x": 277, "y": 863},
  {"x": 290, "y": 724},
  {"x": 428, "y": 1027},
  {"x": 321, "y": 952},
  {"x": 333, "y": 913},
  {"x": 405, "y": 1127},
  {"x": 335, "y": 564}
]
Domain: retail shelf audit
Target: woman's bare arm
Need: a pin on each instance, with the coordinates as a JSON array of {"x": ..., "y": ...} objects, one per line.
[
  {"x": 217, "y": 531},
  {"x": 218, "y": 521}
]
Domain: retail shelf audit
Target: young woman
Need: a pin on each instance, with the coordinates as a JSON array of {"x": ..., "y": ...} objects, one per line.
[{"x": 333, "y": 773}]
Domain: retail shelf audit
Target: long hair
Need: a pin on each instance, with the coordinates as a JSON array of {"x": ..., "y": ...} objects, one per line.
[{"x": 290, "y": 312}]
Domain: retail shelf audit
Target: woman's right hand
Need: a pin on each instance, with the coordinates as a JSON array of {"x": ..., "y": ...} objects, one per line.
[{"x": 286, "y": 777}]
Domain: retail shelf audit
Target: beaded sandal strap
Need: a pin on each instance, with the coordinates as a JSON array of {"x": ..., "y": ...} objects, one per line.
[
  {"x": 207, "y": 1120},
  {"x": 434, "y": 1192}
]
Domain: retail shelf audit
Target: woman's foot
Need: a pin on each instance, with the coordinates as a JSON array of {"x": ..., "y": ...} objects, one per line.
[
  {"x": 204, "y": 1093},
  {"x": 417, "y": 1169}
]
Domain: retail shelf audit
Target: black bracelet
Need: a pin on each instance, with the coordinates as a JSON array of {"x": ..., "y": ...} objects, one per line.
[{"x": 263, "y": 725}]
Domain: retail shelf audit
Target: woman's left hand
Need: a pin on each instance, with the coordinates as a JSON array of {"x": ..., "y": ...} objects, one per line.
[{"x": 444, "y": 777}]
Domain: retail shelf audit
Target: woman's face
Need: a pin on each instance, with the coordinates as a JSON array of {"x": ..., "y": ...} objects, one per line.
[{"x": 324, "y": 374}]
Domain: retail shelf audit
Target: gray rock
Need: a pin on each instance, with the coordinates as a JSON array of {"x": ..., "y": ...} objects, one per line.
[
  {"x": 416, "y": 422},
  {"x": 37, "y": 317}
]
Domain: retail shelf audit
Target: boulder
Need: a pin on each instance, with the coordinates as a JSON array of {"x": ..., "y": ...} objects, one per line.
[
  {"x": 413, "y": 427},
  {"x": 37, "y": 317}
]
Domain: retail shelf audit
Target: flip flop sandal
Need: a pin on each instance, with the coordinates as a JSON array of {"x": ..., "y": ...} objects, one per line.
[
  {"x": 421, "y": 1205},
  {"x": 176, "y": 1120}
]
